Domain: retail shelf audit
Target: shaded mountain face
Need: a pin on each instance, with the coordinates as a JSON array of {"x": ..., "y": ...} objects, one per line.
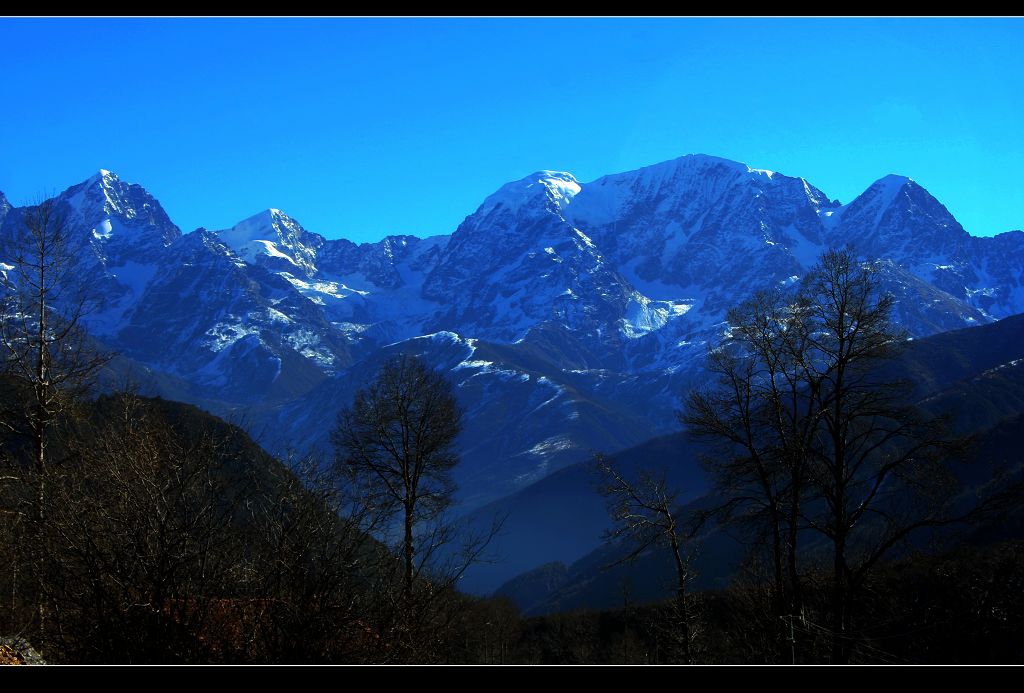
[
  {"x": 571, "y": 317},
  {"x": 973, "y": 376}
]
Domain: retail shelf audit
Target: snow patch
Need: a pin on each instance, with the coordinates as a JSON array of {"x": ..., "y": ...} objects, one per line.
[
  {"x": 443, "y": 337},
  {"x": 223, "y": 334},
  {"x": 550, "y": 445},
  {"x": 270, "y": 248},
  {"x": 473, "y": 364},
  {"x": 562, "y": 187},
  {"x": 644, "y": 316},
  {"x": 585, "y": 238},
  {"x": 103, "y": 230},
  {"x": 274, "y": 315}
]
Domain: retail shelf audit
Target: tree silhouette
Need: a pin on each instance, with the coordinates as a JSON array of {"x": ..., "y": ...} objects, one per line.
[
  {"x": 397, "y": 444},
  {"x": 645, "y": 513},
  {"x": 46, "y": 353},
  {"x": 45, "y": 299},
  {"x": 813, "y": 435}
]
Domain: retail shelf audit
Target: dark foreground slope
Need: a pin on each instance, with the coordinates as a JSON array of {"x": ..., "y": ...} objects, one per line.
[{"x": 157, "y": 533}]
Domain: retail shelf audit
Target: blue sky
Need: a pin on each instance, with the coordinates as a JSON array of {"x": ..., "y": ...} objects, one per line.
[{"x": 364, "y": 127}]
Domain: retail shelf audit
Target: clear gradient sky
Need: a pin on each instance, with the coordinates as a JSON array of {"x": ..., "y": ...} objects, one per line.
[{"x": 364, "y": 127}]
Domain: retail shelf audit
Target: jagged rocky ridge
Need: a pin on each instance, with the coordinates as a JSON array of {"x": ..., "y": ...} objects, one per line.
[{"x": 571, "y": 316}]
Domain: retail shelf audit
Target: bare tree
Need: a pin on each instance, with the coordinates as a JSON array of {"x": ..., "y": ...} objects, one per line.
[
  {"x": 878, "y": 466},
  {"x": 171, "y": 537},
  {"x": 645, "y": 514},
  {"x": 142, "y": 534},
  {"x": 396, "y": 445},
  {"x": 759, "y": 416},
  {"x": 44, "y": 302},
  {"x": 313, "y": 557},
  {"x": 46, "y": 354},
  {"x": 812, "y": 436}
]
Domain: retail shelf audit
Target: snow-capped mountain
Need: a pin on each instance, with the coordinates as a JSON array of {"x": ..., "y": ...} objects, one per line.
[
  {"x": 571, "y": 316},
  {"x": 274, "y": 240}
]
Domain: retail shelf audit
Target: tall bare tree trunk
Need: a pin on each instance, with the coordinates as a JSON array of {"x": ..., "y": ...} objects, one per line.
[
  {"x": 39, "y": 435},
  {"x": 684, "y": 615},
  {"x": 778, "y": 586},
  {"x": 408, "y": 548},
  {"x": 792, "y": 564},
  {"x": 840, "y": 645}
]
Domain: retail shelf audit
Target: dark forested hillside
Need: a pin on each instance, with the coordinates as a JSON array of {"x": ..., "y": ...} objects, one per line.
[{"x": 158, "y": 533}]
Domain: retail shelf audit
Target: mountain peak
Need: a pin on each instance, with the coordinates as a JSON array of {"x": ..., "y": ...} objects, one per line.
[
  {"x": 688, "y": 169},
  {"x": 699, "y": 158},
  {"x": 275, "y": 235},
  {"x": 561, "y": 186},
  {"x": 895, "y": 213},
  {"x": 103, "y": 183},
  {"x": 556, "y": 187},
  {"x": 104, "y": 198},
  {"x": 262, "y": 220},
  {"x": 258, "y": 227},
  {"x": 703, "y": 161},
  {"x": 102, "y": 177},
  {"x": 892, "y": 181},
  {"x": 895, "y": 178},
  {"x": 548, "y": 177},
  {"x": 887, "y": 189}
]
